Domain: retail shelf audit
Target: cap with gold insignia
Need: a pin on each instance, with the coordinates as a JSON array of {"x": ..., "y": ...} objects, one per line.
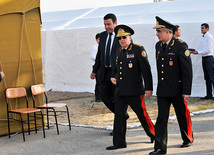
[
  {"x": 160, "y": 23},
  {"x": 123, "y": 30}
]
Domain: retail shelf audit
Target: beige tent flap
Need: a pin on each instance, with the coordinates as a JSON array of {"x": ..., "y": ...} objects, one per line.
[{"x": 20, "y": 52}]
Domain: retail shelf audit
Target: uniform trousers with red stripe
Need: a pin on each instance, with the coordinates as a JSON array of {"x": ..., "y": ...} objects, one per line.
[
  {"x": 138, "y": 106},
  {"x": 183, "y": 117}
]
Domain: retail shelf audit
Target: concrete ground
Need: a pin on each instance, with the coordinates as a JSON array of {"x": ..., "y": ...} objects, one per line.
[{"x": 88, "y": 141}]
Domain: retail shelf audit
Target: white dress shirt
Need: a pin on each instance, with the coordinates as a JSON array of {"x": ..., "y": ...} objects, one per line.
[
  {"x": 207, "y": 45},
  {"x": 93, "y": 53}
]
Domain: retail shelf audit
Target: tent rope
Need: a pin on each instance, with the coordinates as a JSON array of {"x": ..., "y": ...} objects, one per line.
[
  {"x": 31, "y": 57},
  {"x": 20, "y": 49},
  {"x": 19, "y": 62}
]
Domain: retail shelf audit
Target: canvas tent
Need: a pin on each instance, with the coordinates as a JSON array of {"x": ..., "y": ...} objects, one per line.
[
  {"x": 67, "y": 37},
  {"x": 20, "y": 48}
]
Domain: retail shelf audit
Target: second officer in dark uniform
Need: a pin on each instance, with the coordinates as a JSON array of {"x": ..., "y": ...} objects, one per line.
[
  {"x": 132, "y": 69},
  {"x": 174, "y": 69}
]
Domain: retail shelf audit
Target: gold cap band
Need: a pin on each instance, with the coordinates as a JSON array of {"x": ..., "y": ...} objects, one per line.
[{"x": 121, "y": 33}]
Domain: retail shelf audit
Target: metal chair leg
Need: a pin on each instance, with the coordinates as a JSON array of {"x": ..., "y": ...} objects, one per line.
[
  {"x": 8, "y": 123},
  {"x": 28, "y": 122},
  {"x": 56, "y": 121},
  {"x": 69, "y": 123},
  {"x": 47, "y": 118},
  {"x": 22, "y": 128},
  {"x": 35, "y": 122},
  {"x": 43, "y": 125}
]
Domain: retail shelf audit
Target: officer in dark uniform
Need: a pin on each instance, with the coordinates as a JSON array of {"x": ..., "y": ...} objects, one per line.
[
  {"x": 132, "y": 68},
  {"x": 174, "y": 85}
]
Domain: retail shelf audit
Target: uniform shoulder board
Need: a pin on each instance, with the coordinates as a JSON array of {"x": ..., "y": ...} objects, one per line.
[
  {"x": 159, "y": 42},
  {"x": 181, "y": 41},
  {"x": 137, "y": 45}
]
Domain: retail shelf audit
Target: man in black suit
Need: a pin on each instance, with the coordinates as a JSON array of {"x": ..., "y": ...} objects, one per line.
[
  {"x": 105, "y": 60},
  {"x": 174, "y": 69},
  {"x": 131, "y": 71}
]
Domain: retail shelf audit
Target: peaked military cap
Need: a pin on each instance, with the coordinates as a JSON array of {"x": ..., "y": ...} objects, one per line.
[
  {"x": 163, "y": 24},
  {"x": 123, "y": 30}
]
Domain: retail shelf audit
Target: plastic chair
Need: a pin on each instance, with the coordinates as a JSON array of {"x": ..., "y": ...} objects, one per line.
[
  {"x": 40, "y": 89},
  {"x": 20, "y": 92}
]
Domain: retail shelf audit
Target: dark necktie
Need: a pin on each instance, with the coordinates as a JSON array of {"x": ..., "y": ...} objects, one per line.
[
  {"x": 164, "y": 46},
  {"x": 108, "y": 50}
]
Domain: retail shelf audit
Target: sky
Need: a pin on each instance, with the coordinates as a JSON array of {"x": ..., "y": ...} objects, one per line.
[{"x": 59, "y": 5}]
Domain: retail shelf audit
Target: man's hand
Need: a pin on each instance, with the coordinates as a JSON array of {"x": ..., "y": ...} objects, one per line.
[
  {"x": 2, "y": 74},
  {"x": 193, "y": 51},
  {"x": 185, "y": 96},
  {"x": 113, "y": 80},
  {"x": 148, "y": 93},
  {"x": 93, "y": 76}
]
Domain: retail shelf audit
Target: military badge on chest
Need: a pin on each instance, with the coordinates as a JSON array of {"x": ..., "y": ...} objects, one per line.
[
  {"x": 130, "y": 56},
  {"x": 171, "y": 62},
  {"x": 130, "y": 65}
]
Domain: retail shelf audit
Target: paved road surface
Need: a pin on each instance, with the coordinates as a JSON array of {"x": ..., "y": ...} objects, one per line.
[{"x": 88, "y": 141}]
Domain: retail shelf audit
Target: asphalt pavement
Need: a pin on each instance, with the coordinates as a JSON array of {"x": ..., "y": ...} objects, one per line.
[{"x": 88, "y": 141}]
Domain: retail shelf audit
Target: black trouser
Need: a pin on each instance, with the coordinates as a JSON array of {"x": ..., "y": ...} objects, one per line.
[
  {"x": 138, "y": 106},
  {"x": 97, "y": 87},
  {"x": 208, "y": 68},
  {"x": 107, "y": 90},
  {"x": 183, "y": 116}
]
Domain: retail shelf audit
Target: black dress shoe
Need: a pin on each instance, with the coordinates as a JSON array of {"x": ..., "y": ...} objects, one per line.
[
  {"x": 186, "y": 144},
  {"x": 158, "y": 151},
  {"x": 206, "y": 98},
  {"x": 115, "y": 147}
]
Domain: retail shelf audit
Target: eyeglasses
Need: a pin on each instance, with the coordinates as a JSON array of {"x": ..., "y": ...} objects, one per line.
[{"x": 124, "y": 37}]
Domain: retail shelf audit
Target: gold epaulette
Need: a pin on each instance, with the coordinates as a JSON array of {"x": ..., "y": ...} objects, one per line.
[
  {"x": 137, "y": 45},
  {"x": 181, "y": 41}
]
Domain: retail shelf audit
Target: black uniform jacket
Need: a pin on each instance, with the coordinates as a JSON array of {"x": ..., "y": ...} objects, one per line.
[
  {"x": 174, "y": 68},
  {"x": 130, "y": 68},
  {"x": 100, "y": 58}
]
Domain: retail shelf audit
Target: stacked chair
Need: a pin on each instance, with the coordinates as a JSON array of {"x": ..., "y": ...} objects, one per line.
[{"x": 32, "y": 113}]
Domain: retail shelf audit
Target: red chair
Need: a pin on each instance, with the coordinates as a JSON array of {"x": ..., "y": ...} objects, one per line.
[
  {"x": 40, "y": 89},
  {"x": 20, "y": 92}
]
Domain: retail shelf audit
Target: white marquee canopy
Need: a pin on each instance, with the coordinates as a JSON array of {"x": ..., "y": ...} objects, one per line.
[{"x": 67, "y": 37}]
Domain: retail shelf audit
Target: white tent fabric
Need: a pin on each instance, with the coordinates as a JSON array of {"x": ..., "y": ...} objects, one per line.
[{"x": 67, "y": 37}]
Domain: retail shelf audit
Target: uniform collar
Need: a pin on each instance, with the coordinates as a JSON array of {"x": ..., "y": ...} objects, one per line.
[
  {"x": 168, "y": 41},
  {"x": 128, "y": 47}
]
